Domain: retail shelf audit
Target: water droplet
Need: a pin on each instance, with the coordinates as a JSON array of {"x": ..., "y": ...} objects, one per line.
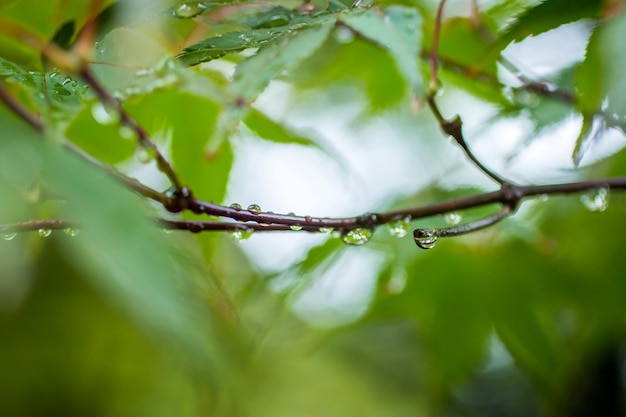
[
  {"x": 145, "y": 155},
  {"x": 543, "y": 197},
  {"x": 103, "y": 114},
  {"x": 596, "y": 200},
  {"x": 425, "y": 238},
  {"x": 344, "y": 34},
  {"x": 242, "y": 234},
  {"x": 254, "y": 208},
  {"x": 71, "y": 232},
  {"x": 326, "y": 229},
  {"x": 44, "y": 232},
  {"x": 189, "y": 9},
  {"x": 8, "y": 235},
  {"x": 275, "y": 21},
  {"x": 127, "y": 133},
  {"x": 235, "y": 206},
  {"x": 399, "y": 227},
  {"x": 144, "y": 72},
  {"x": 357, "y": 237},
  {"x": 452, "y": 218},
  {"x": 294, "y": 226}
]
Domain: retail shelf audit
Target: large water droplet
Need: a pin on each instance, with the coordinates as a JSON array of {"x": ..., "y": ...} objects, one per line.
[
  {"x": 71, "y": 232},
  {"x": 236, "y": 206},
  {"x": 357, "y": 237},
  {"x": 8, "y": 235},
  {"x": 254, "y": 208},
  {"x": 596, "y": 200},
  {"x": 242, "y": 234},
  {"x": 44, "y": 232},
  {"x": 103, "y": 114},
  {"x": 399, "y": 227},
  {"x": 425, "y": 238},
  {"x": 452, "y": 218},
  {"x": 189, "y": 9}
]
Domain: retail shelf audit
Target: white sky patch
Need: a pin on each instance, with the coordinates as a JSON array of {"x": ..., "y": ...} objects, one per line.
[
  {"x": 343, "y": 294},
  {"x": 539, "y": 56}
]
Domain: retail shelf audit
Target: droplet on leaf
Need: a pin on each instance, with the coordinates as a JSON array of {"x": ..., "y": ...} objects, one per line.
[
  {"x": 127, "y": 133},
  {"x": 452, "y": 218},
  {"x": 189, "y": 9},
  {"x": 357, "y": 237},
  {"x": 8, "y": 235},
  {"x": 145, "y": 155},
  {"x": 399, "y": 227},
  {"x": 596, "y": 200},
  {"x": 425, "y": 238},
  {"x": 344, "y": 34},
  {"x": 103, "y": 114}
]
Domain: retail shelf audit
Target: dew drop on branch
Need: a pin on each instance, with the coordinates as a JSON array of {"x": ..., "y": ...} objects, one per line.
[
  {"x": 242, "y": 234},
  {"x": 357, "y": 237},
  {"x": 326, "y": 229},
  {"x": 452, "y": 218},
  {"x": 399, "y": 227},
  {"x": 425, "y": 238},
  {"x": 44, "y": 232},
  {"x": 235, "y": 206},
  {"x": 71, "y": 232},
  {"x": 254, "y": 208},
  {"x": 596, "y": 200}
]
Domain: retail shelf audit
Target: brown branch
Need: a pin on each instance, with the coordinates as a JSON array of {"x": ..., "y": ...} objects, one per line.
[
  {"x": 509, "y": 196},
  {"x": 108, "y": 100},
  {"x": 434, "y": 84},
  {"x": 454, "y": 128},
  {"x": 20, "y": 110}
]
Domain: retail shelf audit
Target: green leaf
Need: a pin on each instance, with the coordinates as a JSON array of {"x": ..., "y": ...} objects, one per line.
[
  {"x": 593, "y": 127},
  {"x": 599, "y": 78},
  {"x": 268, "y": 129},
  {"x": 189, "y": 122},
  {"x": 122, "y": 53},
  {"x": 255, "y": 73},
  {"x": 399, "y": 32},
  {"x": 48, "y": 90},
  {"x": 266, "y": 27},
  {"x": 103, "y": 142},
  {"x": 546, "y": 16}
]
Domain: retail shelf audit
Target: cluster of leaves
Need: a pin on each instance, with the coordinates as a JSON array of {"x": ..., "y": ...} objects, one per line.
[{"x": 111, "y": 295}]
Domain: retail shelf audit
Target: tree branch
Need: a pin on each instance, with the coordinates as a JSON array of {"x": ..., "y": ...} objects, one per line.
[{"x": 108, "y": 100}]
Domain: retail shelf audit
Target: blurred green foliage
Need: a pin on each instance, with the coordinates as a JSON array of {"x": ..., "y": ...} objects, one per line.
[{"x": 126, "y": 320}]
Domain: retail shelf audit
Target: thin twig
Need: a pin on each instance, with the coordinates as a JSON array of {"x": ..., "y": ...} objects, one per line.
[
  {"x": 20, "y": 110},
  {"x": 454, "y": 128},
  {"x": 108, "y": 100},
  {"x": 509, "y": 196},
  {"x": 434, "y": 84}
]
